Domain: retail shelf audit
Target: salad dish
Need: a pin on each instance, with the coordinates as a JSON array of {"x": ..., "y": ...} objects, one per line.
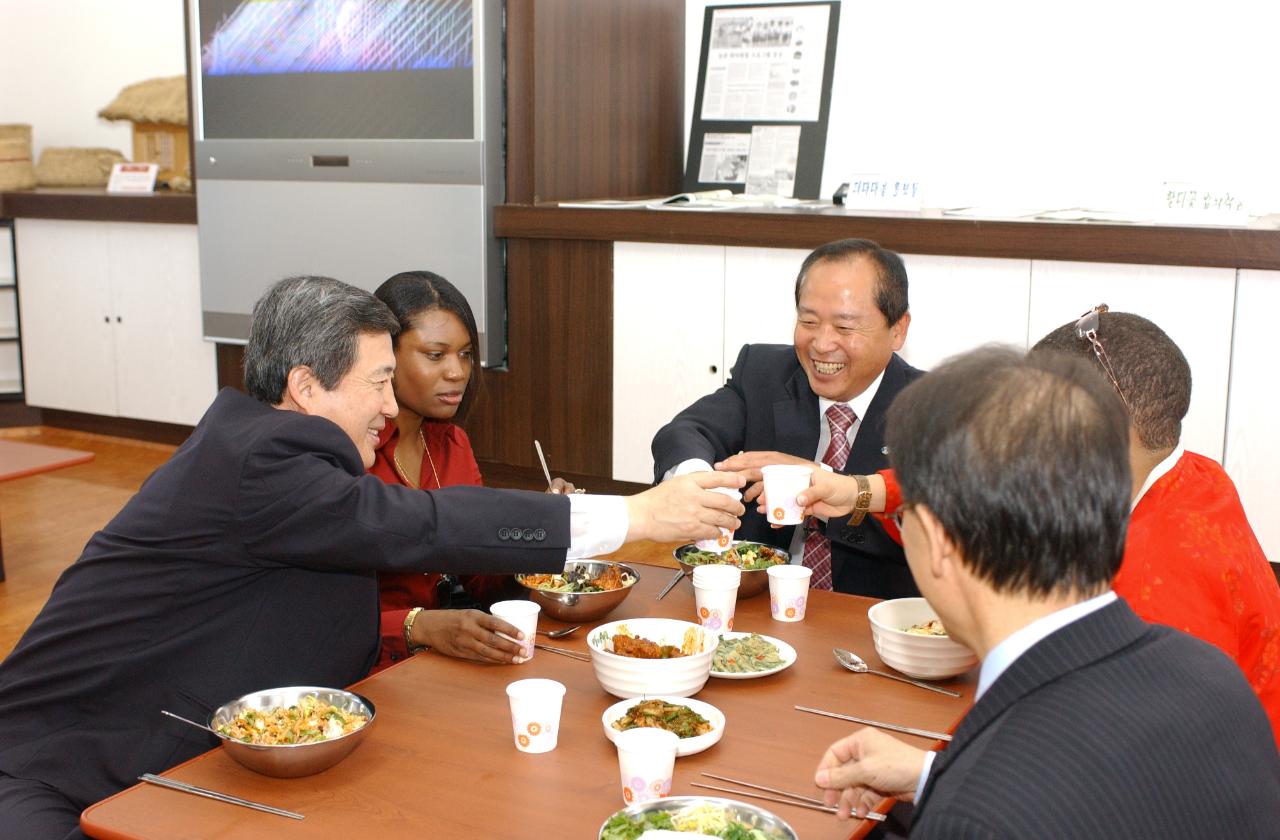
[
  {"x": 746, "y": 656},
  {"x": 699, "y": 815},
  {"x": 700, "y": 725}
]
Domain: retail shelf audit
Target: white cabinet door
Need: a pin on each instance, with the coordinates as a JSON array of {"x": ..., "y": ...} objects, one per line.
[
  {"x": 167, "y": 371},
  {"x": 68, "y": 354},
  {"x": 668, "y": 342},
  {"x": 1193, "y": 305},
  {"x": 759, "y": 298},
  {"x": 958, "y": 303},
  {"x": 1253, "y": 410}
]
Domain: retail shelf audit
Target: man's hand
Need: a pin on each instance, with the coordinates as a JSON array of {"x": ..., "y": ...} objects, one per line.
[
  {"x": 748, "y": 464},
  {"x": 860, "y": 770},
  {"x": 684, "y": 508},
  {"x": 832, "y": 494},
  {"x": 467, "y": 634}
]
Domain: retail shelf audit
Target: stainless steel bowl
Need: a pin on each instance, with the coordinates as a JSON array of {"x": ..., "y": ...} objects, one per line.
[
  {"x": 774, "y": 827},
  {"x": 753, "y": 582},
  {"x": 577, "y": 607},
  {"x": 289, "y": 761}
]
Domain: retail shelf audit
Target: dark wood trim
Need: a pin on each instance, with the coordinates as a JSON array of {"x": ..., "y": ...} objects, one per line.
[
  {"x": 126, "y": 427},
  {"x": 230, "y": 361},
  {"x": 96, "y": 205},
  {"x": 1072, "y": 241},
  {"x": 531, "y": 478},
  {"x": 521, "y": 67}
]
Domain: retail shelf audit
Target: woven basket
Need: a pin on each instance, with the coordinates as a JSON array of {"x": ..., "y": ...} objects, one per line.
[
  {"x": 16, "y": 171},
  {"x": 76, "y": 167}
]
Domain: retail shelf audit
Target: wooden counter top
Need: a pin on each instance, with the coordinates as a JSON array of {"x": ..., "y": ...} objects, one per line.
[
  {"x": 912, "y": 233},
  {"x": 87, "y": 204}
]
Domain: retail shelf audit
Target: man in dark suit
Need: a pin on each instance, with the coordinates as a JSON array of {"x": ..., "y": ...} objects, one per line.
[
  {"x": 822, "y": 400},
  {"x": 249, "y": 561},
  {"x": 1088, "y": 723}
]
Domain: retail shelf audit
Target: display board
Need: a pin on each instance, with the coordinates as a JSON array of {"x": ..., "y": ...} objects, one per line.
[{"x": 763, "y": 97}]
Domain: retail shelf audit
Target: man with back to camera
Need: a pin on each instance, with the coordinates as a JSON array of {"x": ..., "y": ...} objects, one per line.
[
  {"x": 787, "y": 404},
  {"x": 248, "y": 561},
  {"x": 1087, "y": 722}
]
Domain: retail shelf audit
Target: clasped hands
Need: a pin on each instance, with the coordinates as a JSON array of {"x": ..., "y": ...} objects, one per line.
[{"x": 830, "y": 494}]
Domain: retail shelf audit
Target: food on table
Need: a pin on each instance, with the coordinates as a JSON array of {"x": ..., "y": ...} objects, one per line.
[
  {"x": 660, "y": 714},
  {"x": 308, "y": 721},
  {"x": 747, "y": 556},
  {"x": 708, "y": 819},
  {"x": 579, "y": 579},
  {"x": 746, "y": 655},
  {"x": 932, "y": 627},
  {"x": 641, "y": 648}
]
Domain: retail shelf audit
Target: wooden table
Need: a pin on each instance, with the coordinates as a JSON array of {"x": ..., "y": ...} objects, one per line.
[
  {"x": 18, "y": 460},
  {"x": 440, "y": 761}
]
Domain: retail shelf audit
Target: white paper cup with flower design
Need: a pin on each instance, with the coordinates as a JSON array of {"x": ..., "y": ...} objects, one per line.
[
  {"x": 646, "y": 763},
  {"x": 788, "y": 591},
  {"x": 715, "y": 595},
  {"x": 535, "y": 714}
]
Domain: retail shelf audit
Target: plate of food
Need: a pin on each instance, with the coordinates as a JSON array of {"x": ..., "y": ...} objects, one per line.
[
  {"x": 746, "y": 656},
  {"x": 753, "y": 558},
  {"x": 699, "y": 725},
  {"x": 703, "y": 816}
]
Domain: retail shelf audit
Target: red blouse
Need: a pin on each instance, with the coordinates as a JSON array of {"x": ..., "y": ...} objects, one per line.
[
  {"x": 1192, "y": 562},
  {"x": 400, "y": 592}
]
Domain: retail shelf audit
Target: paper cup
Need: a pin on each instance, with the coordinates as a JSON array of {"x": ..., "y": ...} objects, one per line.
[
  {"x": 788, "y": 591},
  {"x": 524, "y": 616},
  {"x": 715, "y": 594},
  {"x": 721, "y": 543},
  {"x": 781, "y": 484},
  {"x": 646, "y": 763},
  {"x": 535, "y": 714}
]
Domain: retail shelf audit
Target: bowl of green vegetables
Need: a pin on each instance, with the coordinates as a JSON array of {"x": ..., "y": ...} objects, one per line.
[{"x": 752, "y": 557}]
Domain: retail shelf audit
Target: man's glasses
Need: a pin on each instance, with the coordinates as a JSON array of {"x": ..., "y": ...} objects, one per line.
[
  {"x": 1087, "y": 328},
  {"x": 896, "y": 516}
]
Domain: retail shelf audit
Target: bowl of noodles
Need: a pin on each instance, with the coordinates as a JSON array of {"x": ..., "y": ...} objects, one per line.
[
  {"x": 651, "y": 656},
  {"x": 910, "y": 638},
  {"x": 293, "y": 731},
  {"x": 753, "y": 558},
  {"x": 587, "y": 590}
]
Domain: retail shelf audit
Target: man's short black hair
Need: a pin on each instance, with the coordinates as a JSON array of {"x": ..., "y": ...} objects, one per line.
[
  {"x": 1151, "y": 371},
  {"x": 1023, "y": 460},
  {"x": 891, "y": 274}
]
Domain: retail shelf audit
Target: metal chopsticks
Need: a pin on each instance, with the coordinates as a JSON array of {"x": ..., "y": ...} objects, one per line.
[
  {"x": 572, "y": 654},
  {"x": 174, "y": 784},
  {"x": 907, "y": 730},
  {"x": 668, "y": 587},
  {"x": 796, "y": 799}
]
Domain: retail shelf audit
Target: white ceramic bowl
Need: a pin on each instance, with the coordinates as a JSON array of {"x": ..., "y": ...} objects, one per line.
[
  {"x": 688, "y": 746},
  {"x": 626, "y": 676},
  {"x": 922, "y": 657}
]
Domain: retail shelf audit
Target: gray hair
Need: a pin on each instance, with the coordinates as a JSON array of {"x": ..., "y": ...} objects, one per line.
[{"x": 310, "y": 321}]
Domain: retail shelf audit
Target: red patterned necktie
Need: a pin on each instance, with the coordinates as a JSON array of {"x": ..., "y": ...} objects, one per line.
[{"x": 817, "y": 548}]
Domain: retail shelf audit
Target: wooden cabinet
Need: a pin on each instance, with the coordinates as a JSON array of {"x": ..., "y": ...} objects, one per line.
[{"x": 111, "y": 318}]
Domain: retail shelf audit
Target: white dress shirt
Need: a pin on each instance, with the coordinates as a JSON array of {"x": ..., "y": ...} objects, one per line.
[{"x": 597, "y": 525}]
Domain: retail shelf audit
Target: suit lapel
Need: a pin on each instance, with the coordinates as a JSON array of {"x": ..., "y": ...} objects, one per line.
[
  {"x": 1095, "y": 637},
  {"x": 867, "y": 453},
  {"x": 795, "y": 419}
]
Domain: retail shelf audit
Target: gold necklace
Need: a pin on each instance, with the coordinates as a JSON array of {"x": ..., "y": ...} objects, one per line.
[{"x": 425, "y": 451}]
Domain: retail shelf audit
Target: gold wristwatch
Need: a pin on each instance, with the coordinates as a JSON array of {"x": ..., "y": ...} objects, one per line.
[{"x": 862, "y": 503}]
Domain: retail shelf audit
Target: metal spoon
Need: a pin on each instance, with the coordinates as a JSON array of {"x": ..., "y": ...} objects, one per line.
[
  {"x": 561, "y": 633},
  {"x": 191, "y": 722},
  {"x": 849, "y": 659}
]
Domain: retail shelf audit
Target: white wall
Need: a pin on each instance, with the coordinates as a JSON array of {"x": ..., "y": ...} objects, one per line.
[
  {"x": 62, "y": 61},
  {"x": 1028, "y": 104}
]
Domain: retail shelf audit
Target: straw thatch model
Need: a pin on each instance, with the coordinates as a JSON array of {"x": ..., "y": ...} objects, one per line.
[{"x": 152, "y": 101}]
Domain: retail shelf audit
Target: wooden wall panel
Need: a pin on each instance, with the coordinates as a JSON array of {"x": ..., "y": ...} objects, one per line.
[{"x": 559, "y": 384}]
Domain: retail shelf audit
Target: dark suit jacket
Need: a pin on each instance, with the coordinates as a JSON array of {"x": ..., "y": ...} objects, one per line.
[
  {"x": 767, "y": 404},
  {"x": 246, "y": 562},
  {"x": 1109, "y": 727}
]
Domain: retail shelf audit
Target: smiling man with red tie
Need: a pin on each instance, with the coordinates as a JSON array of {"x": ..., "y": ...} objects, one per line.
[{"x": 820, "y": 401}]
